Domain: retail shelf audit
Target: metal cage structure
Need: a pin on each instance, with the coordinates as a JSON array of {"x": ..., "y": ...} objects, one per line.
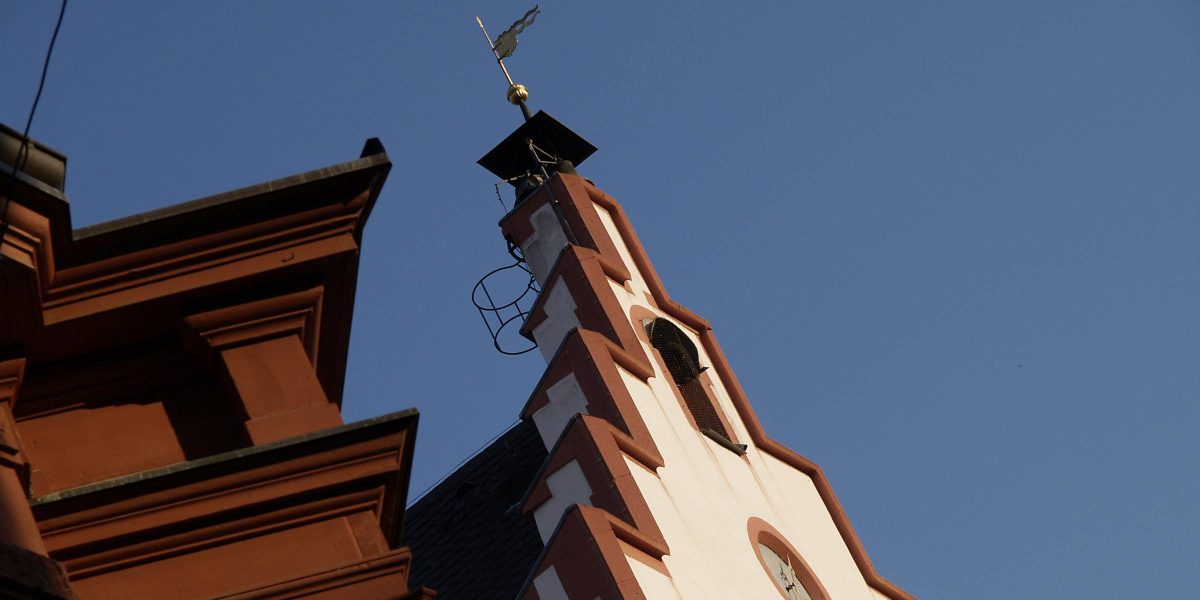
[{"x": 498, "y": 317}]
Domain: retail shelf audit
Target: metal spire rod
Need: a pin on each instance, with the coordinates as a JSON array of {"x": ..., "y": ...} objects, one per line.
[
  {"x": 517, "y": 93},
  {"x": 499, "y": 60}
]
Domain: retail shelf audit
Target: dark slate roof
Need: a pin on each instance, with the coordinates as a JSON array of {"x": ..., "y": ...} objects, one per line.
[{"x": 468, "y": 536}]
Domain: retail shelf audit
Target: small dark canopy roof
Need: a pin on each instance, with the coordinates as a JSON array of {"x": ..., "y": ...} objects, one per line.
[{"x": 511, "y": 157}]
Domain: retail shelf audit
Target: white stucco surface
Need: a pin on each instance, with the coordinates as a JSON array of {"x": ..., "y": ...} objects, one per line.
[
  {"x": 568, "y": 486},
  {"x": 654, "y": 584},
  {"x": 541, "y": 249},
  {"x": 560, "y": 320},
  {"x": 566, "y": 401},
  {"x": 705, "y": 495},
  {"x": 610, "y": 227},
  {"x": 548, "y": 586}
]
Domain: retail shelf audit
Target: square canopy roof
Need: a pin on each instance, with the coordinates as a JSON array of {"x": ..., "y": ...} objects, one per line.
[{"x": 511, "y": 157}]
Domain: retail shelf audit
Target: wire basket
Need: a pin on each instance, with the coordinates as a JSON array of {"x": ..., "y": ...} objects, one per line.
[{"x": 506, "y": 282}]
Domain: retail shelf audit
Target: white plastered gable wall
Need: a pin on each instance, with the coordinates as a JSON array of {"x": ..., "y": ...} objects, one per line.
[
  {"x": 566, "y": 400},
  {"x": 560, "y": 321},
  {"x": 705, "y": 496},
  {"x": 543, "y": 246},
  {"x": 568, "y": 487}
]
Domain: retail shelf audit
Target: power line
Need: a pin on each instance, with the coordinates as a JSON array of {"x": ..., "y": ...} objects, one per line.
[{"x": 23, "y": 152}]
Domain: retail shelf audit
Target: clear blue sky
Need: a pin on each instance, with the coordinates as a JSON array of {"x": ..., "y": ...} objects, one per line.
[{"x": 954, "y": 259}]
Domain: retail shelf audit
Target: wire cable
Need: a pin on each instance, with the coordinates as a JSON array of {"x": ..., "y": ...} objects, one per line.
[{"x": 23, "y": 152}]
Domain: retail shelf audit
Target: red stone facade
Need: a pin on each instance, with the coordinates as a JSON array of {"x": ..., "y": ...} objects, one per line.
[{"x": 170, "y": 392}]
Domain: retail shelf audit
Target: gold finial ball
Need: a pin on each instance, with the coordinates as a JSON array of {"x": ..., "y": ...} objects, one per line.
[{"x": 517, "y": 93}]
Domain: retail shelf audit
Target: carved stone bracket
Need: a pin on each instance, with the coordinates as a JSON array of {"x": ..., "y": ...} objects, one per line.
[
  {"x": 11, "y": 455},
  {"x": 269, "y": 351},
  {"x": 19, "y": 528},
  {"x": 26, "y": 241},
  {"x": 254, "y": 322}
]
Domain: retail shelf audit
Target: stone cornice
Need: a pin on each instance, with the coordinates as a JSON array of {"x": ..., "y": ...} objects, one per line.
[
  {"x": 296, "y": 314},
  {"x": 354, "y": 468},
  {"x": 270, "y": 226}
]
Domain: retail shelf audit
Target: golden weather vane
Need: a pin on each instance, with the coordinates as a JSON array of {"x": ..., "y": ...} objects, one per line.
[{"x": 503, "y": 47}]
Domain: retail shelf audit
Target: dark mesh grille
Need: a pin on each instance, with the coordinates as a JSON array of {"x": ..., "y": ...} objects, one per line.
[
  {"x": 682, "y": 370},
  {"x": 683, "y": 362},
  {"x": 701, "y": 407}
]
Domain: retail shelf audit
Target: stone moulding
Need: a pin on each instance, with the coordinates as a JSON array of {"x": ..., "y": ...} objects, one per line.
[{"x": 346, "y": 474}]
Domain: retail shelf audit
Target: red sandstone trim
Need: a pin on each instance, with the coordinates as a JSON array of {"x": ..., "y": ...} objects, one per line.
[
  {"x": 17, "y": 525},
  {"x": 373, "y": 576},
  {"x": 588, "y": 554},
  {"x": 762, "y": 532},
  {"x": 163, "y": 547},
  {"x": 12, "y": 373},
  {"x": 26, "y": 241},
  {"x": 298, "y": 313},
  {"x": 178, "y": 266},
  {"x": 269, "y": 349},
  {"x": 647, "y": 457},
  {"x": 583, "y": 220},
  {"x": 363, "y": 473},
  {"x": 586, "y": 275},
  {"x": 595, "y": 361},
  {"x": 630, "y": 362},
  {"x": 598, "y": 447}
]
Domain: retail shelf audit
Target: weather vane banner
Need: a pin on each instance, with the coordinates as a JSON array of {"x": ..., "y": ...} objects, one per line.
[{"x": 506, "y": 42}]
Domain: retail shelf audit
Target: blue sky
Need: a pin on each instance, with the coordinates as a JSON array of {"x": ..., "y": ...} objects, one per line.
[{"x": 950, "y": 248}]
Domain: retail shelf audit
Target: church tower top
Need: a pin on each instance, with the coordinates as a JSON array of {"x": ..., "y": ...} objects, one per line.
[{"x": 541, "y": 146}]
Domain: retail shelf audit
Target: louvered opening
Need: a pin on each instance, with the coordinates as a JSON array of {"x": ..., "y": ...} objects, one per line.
[{"x": 683, "y": 362}]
